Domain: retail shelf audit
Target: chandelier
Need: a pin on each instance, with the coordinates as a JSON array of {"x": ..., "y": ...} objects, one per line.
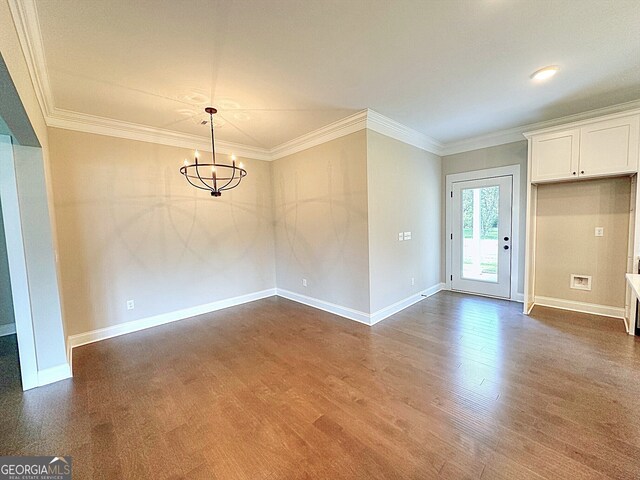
[{"x": 214, "y": 177}]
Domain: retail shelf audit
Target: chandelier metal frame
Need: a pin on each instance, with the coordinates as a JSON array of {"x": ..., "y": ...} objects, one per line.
[{"x": 214, "y": 177}]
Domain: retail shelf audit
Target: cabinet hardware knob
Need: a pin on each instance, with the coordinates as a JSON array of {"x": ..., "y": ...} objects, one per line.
[
  {"x": 581, "y": 171},
  {"x": 506, "y": 247},
  {"x": 506, "y": 239},
  {"x": 574, "y": 173}
]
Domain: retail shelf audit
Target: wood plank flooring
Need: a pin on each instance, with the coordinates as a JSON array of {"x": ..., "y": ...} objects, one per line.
[
  {"x": 9, "y": 364},
  {"x": 453, "y": 387}
]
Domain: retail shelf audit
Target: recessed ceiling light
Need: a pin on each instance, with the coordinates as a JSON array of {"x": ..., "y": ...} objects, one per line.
[{"x": 545, "y": 73}]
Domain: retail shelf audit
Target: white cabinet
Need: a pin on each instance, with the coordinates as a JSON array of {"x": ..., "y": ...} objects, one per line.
[
  {"x": 609, "y": 147},
  {"x": 555, "y": 156},
  {"x": 594, "y": 148}
]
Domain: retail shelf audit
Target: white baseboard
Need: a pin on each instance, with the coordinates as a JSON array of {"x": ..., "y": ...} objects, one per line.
[
  {"x": 144, "y": 323},
  {"x": 53, "y": 374},
  {"x": 518, "y": 297},
  {"x": 402, "y": 304},
  {"x": 527, "y": 308},
  {"x": 594, "y": 309},
  {"x": 438, "y": 287},
  {"x": 70, "y": 355},
  {"x": 339, "y": 310},
  {"x": 357, "y": 315},
  {"x": 8, "y": 329}
]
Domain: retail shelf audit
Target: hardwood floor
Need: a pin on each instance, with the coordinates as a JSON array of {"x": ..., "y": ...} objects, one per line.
[
  {"x": 452, "y": 387},
  {"x": 9, "y": 364}
]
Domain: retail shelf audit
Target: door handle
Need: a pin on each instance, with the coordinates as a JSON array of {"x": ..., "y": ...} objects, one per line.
[{"x": 506, "y": 247}]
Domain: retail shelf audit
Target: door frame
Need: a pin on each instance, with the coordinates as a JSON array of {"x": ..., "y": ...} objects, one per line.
[
  {"x": 514, "y": 172},
  {"x": 501, "y": 287}
]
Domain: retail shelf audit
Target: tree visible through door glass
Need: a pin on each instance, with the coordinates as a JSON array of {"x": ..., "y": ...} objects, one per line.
[{"x": 480, "y": 233}]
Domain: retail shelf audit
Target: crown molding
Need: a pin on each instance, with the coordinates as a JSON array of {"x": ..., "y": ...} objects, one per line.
[
  {"x": 386, "y": 126},
  {"x": 340, "y": 128},
  {"x": 517, "y": 134},
  {"x": 358, "y": 121},
  {"x": 484, "y": 141},
  {"x": 25, "y": 19},
  {"x": 87, "y": 123},
  {"x": 367, "y": 118},
  {"x": 572, "y": 121},
  {"x": 83, "y": 122}
]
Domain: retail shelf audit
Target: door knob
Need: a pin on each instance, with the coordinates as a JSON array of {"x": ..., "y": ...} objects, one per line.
[{"x": 506, "y": 247}]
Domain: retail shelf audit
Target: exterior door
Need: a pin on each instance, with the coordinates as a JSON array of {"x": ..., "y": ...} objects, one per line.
[{"x": 481, "y": 236}]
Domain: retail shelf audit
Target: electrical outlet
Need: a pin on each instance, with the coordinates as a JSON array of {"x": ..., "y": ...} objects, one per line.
[
  {"x": 131, "y": 305},
  {"x": 400, "y": 236},
  {"x": 407, "y": 235},
  {"x": 599, "y": 232},
  {"x": 304, "y": 282},
  {"x": 413, "y": 281}
]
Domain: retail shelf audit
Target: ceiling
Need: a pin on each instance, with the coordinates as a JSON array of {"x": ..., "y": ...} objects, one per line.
[{"x": 277, "y": 69}]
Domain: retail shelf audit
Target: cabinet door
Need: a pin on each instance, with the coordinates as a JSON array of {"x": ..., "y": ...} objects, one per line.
[
  {"x": 554, "y": 156},
  {"x": 609, "y": 147}
]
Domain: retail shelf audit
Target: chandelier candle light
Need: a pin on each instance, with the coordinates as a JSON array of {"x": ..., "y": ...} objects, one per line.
[{"x": 214, "y": 177}]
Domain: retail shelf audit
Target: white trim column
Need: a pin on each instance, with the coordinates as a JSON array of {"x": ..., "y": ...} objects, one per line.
[{"x": 17, "y": 265}]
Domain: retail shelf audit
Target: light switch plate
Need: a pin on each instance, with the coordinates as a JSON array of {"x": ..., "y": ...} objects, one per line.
[
  {"x": 400, "y": 237},
  {"x": 599, "y": 232},
  {"x": 407, "y": 235}
]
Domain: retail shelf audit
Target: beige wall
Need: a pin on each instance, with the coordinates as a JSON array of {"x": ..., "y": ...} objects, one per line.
[
  {"x": 404, "y": 193},
  {"x": 320, "y": 199},
  {"x": 6, "y": 301},
  {"x": 567, "y": 214},
  {"x": 130, "y": 227},
  {"x": 491, "y": 157}
]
